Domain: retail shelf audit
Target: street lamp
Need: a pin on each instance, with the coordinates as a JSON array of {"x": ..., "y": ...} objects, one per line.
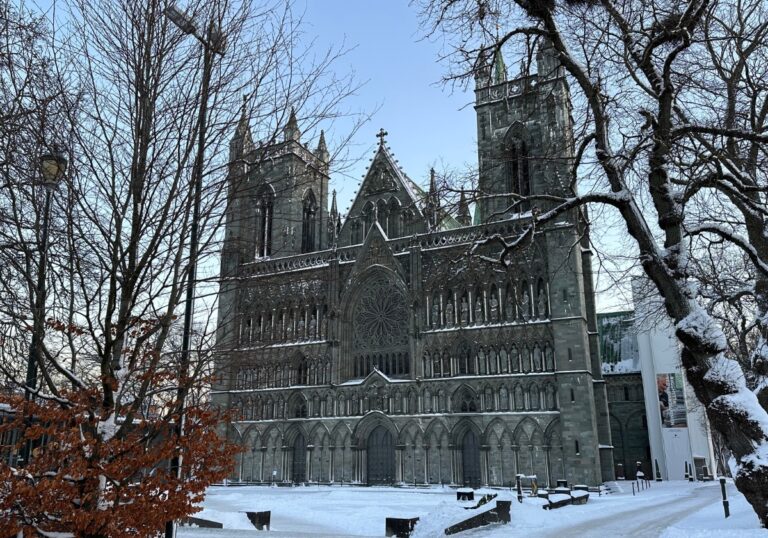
[
  {"x": 213, "y": 43},
  {"x": 53, "y": 167}
]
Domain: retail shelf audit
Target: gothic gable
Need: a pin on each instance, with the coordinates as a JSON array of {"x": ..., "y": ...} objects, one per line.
[
  {"x": 386, "y": 194},
  {"x": 375, "y": 251}
]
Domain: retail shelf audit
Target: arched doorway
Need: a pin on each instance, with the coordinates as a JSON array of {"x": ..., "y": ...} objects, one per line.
[
  {"x": 470, "y": 457},
  {"x": 299, "y": 467},
  {"x": 381, "y": 457}
]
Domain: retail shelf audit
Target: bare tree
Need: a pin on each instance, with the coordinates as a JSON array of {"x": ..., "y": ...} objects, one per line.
[
  {"x": 670, "y": 103},
  {"x": 125, "y": 86}
]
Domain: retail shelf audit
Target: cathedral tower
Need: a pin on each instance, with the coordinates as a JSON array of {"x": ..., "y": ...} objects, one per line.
[
  {"x": 524, "y": 133},
  {"x": 525, "y": 148}
]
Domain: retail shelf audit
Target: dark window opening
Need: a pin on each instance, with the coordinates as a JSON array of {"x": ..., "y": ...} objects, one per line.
[
  {"x": 264, "y": 209},
  {"x": 308, "y": 222}
]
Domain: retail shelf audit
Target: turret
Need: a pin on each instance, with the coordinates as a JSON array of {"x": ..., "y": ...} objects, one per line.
[
  {"x": 432, "y": 205},
  {"x": 242, "y": 141},
  {"x": 499, "y": 68},
  {"x": 548, "y": 65},
  {"x": 482, "y": 69},
  {"x": 321, "y": 152},
  {"x": 291, "y": 129},
  {"x": 334, "y": 222}
]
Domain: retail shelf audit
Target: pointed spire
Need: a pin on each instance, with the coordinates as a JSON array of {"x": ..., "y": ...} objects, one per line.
[
  {"x": 291, "y": 129},
  {"x": 242, "y": 142},
  {"x": 334, "y": 211},
  {"x": 499, "y": 68},
  {"x": 321, "y": 152},
  {"x": 464, "y": 217},
  {"x": 243, "y": 124},
  {"x": 432, "y": 183},
  {"x": 432, "y": 205},
  {"x": 334, "y": 222}
]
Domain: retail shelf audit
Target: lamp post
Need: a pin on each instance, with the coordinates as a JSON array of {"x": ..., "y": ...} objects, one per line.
[
  {"x": 213, "y": 43},
  {"x": 53, "y": 166}
]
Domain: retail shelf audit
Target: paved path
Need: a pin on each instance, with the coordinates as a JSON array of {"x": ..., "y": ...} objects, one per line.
[{"x": 649, "y": 518}]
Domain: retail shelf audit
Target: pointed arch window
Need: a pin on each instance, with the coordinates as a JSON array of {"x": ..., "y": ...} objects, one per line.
[
  {"x": 265, "y": 201},
  {"x": 393, "y": 218},
  {"x": 517, "y": 172},
  {"x": 308, "y": 222},
  {"x": 367, "y": 215}
]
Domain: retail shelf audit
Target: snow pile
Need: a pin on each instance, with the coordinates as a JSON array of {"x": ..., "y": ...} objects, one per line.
[
  {"x": 624, "y": 366},
  {"x": 698, "y": 325}
]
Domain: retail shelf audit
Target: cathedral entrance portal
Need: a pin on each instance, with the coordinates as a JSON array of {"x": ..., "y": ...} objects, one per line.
[
  {"x": 299, "y": 467},
  {"x": 470, "y": 457},
  {"x": 381, "y": 457}
]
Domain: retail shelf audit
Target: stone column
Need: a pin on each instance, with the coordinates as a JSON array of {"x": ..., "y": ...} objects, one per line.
[
  {"x": 485, "y": 471},
  {"x": 308, "y": 462}
]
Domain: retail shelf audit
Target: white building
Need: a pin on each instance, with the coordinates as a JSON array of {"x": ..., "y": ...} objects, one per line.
[{"x": 678, "y": 429}]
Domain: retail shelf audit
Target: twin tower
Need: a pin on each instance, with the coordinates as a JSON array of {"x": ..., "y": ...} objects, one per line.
[{"x": 279, "y": 203}]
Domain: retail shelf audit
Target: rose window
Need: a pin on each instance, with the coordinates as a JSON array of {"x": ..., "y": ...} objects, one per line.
[{"x": 380, "y": 317}]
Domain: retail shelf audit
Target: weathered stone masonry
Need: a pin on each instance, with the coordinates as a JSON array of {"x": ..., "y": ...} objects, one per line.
[{"x": 376, "y": 350}]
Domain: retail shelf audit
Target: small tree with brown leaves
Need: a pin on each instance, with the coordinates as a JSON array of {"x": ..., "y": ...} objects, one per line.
[{"x": 96, "y": 473}]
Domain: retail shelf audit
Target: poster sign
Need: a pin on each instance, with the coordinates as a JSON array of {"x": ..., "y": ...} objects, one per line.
[{"x": 671, "y": 400}]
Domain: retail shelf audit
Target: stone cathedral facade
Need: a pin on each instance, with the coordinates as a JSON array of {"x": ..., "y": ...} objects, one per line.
[{"x": 374, "y": 348}]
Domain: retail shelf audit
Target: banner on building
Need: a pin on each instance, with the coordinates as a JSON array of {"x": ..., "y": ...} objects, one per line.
[{"x": 671, "y": 400}]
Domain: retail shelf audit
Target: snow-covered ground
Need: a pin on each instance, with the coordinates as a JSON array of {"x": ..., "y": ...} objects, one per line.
[{"x": 667, "y": 509}]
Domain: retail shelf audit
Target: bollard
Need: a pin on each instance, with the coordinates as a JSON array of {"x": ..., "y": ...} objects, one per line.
[
  {"x": 726, "y": 509},
  {"x": 633, "y": 489},
  {"x": 686, "y": 470},
  {"x": 658, "y": 472},
  {"x": 519, "y": 490}
]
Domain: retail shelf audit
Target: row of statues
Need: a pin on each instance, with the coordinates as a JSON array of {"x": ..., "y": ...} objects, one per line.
[
  {"x": 512, "y": 311},
  {"x": 284, "y": 327}
]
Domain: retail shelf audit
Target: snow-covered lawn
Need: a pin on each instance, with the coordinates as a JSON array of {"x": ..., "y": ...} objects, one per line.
[{"x": 668, "y": 509}]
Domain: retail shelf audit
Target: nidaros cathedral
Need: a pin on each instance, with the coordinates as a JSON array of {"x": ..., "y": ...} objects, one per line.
[{"x": 373, "y": 349}]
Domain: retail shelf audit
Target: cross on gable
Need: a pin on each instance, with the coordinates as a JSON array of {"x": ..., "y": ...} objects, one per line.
[{"x": 380, "y": 135}]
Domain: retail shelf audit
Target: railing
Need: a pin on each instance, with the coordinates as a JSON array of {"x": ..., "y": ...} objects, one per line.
[{"x": 400, "y": 245}]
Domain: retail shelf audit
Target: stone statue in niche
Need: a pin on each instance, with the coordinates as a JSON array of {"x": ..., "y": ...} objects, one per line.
[
  {"x": 464, "y": 311},
  {"x": 435, "y": 314},
  {"x": 289, "y": 328},
  {"x": 509, "y": 309},
  {"x": 537, "y": 359},
  {"x": 312, "y": 327},
  {"x": 542, "y": 304},
  {"x": 449, "y": 313},
  {"x": 300, "y": 329},
  {"x": 525, "y": 305},
  {"x": 494, "y": 308},
  {"x": 323, "y": 327},
  {"x": 479, "y": 310}
]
